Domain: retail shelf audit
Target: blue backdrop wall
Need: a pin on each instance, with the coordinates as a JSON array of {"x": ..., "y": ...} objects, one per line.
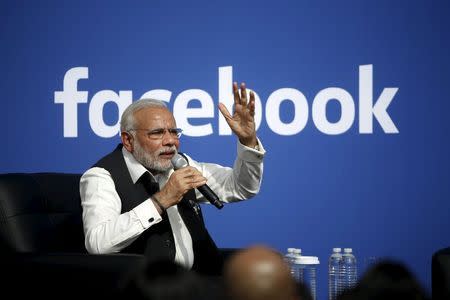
[{"x": 342, "y": 169}]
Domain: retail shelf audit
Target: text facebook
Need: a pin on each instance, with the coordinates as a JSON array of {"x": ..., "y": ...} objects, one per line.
[{"x": 70, "y": 97}]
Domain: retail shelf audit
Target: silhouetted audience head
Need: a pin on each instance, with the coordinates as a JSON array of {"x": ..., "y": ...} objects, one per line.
[
  {"x": 386, "y": 280},
  {"x": 259, "y": 273},
  {"x": 164, "y": 280}
]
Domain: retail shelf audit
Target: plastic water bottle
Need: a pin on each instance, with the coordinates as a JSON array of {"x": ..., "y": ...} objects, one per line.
[
  {"x": 290, "y": 257},
  {"x": 348, "y": 270},
  {"x": 308, "y": 267},
  {"x": 334, "y": 264},
  {"x": 298, "y": 271}
]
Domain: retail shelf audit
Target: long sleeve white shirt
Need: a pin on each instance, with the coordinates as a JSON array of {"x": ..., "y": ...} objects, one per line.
[{"x": 107, "y": 230}]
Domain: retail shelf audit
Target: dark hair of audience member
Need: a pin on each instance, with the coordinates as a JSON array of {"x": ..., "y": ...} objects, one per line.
[
  {"x": 163, "y": 280},
  {"x": 387, "y": 280}
]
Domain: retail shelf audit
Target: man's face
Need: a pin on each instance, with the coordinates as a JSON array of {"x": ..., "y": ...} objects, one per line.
[{"x": 154, "y": 153}]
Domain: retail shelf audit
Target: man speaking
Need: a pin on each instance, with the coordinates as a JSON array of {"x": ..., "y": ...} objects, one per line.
[{"x": 135, "y": 201}]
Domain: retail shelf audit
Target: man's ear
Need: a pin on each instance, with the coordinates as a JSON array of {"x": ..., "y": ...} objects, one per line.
[{"x": 127, "y": 141}]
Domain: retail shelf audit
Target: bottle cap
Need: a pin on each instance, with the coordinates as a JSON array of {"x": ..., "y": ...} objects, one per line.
[
  {"x": 336, "y": 249},
  {"x": 347, "y": 250},
  {"x": 307, "y": 260}
]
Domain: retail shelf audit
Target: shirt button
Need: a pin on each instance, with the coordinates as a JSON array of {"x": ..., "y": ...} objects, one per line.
[{"x": 151, "y": 220}]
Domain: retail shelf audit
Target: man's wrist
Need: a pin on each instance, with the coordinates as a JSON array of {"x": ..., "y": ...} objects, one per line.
[
  {"x": 251, "y": 143},
  {"x": 158, "y": 203}
]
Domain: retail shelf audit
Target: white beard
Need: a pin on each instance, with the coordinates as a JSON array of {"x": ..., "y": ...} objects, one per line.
[{"x": 151, "y": 160}]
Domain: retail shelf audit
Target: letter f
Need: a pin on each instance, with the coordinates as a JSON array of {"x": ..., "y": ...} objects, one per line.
[{"x": 70, "y": 97}]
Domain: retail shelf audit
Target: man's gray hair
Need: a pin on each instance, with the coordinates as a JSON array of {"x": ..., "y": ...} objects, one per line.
[{"x": 127, "y": 121}]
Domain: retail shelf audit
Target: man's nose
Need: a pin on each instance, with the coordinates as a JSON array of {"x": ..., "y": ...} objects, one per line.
[{"x": 168, "y": 138}]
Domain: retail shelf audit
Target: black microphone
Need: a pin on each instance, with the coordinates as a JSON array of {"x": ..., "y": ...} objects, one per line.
[{"x": 178, "y": 162}]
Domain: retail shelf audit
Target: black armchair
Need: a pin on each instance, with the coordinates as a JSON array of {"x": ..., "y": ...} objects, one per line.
[
  {"x": 440, "y": 274},
  {"x": 42, "y": 241}
]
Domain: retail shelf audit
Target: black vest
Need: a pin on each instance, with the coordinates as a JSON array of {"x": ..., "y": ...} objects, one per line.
[{"x": 157, "y": 242}]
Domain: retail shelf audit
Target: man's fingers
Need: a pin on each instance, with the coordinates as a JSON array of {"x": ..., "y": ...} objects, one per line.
[
  {"x": 243, "y": 94},
  {"x": 188, "y": 171},
  {"x": 198, "y": 182},
  {"x": 237, "y": 99},
  {"x": 180, "y": 182},
  {"x": 224, "y": 111},
  {"x": 189, "y": 178},
  {"x": 194, "y": 181},
  {"x": 251, "y": 104},
  {"x": 191, "y": 174},
  {"x": 194, "y": 176}
]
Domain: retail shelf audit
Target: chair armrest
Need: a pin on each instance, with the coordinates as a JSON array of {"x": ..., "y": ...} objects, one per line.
[{"x": 56, "y": 275}]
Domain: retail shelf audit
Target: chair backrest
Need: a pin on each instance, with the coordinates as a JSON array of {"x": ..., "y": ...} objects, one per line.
[{"x": 40, "y": 212}]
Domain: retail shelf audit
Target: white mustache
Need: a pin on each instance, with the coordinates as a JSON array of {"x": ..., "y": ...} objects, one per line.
[{"x": 168, "y": 149}]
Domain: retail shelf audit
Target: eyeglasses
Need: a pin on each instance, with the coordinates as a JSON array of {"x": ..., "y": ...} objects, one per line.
[{"x": 157, "y": 134}]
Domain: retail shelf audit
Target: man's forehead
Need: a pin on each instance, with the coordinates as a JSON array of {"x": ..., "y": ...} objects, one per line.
[{"x": 154, "y": 114}]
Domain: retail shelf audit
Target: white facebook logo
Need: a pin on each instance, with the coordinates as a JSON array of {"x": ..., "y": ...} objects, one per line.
[{"x": 369, "y": 110}]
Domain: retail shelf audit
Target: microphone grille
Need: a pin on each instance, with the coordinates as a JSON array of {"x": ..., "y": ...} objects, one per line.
[{"x": 178, "y": 161}]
